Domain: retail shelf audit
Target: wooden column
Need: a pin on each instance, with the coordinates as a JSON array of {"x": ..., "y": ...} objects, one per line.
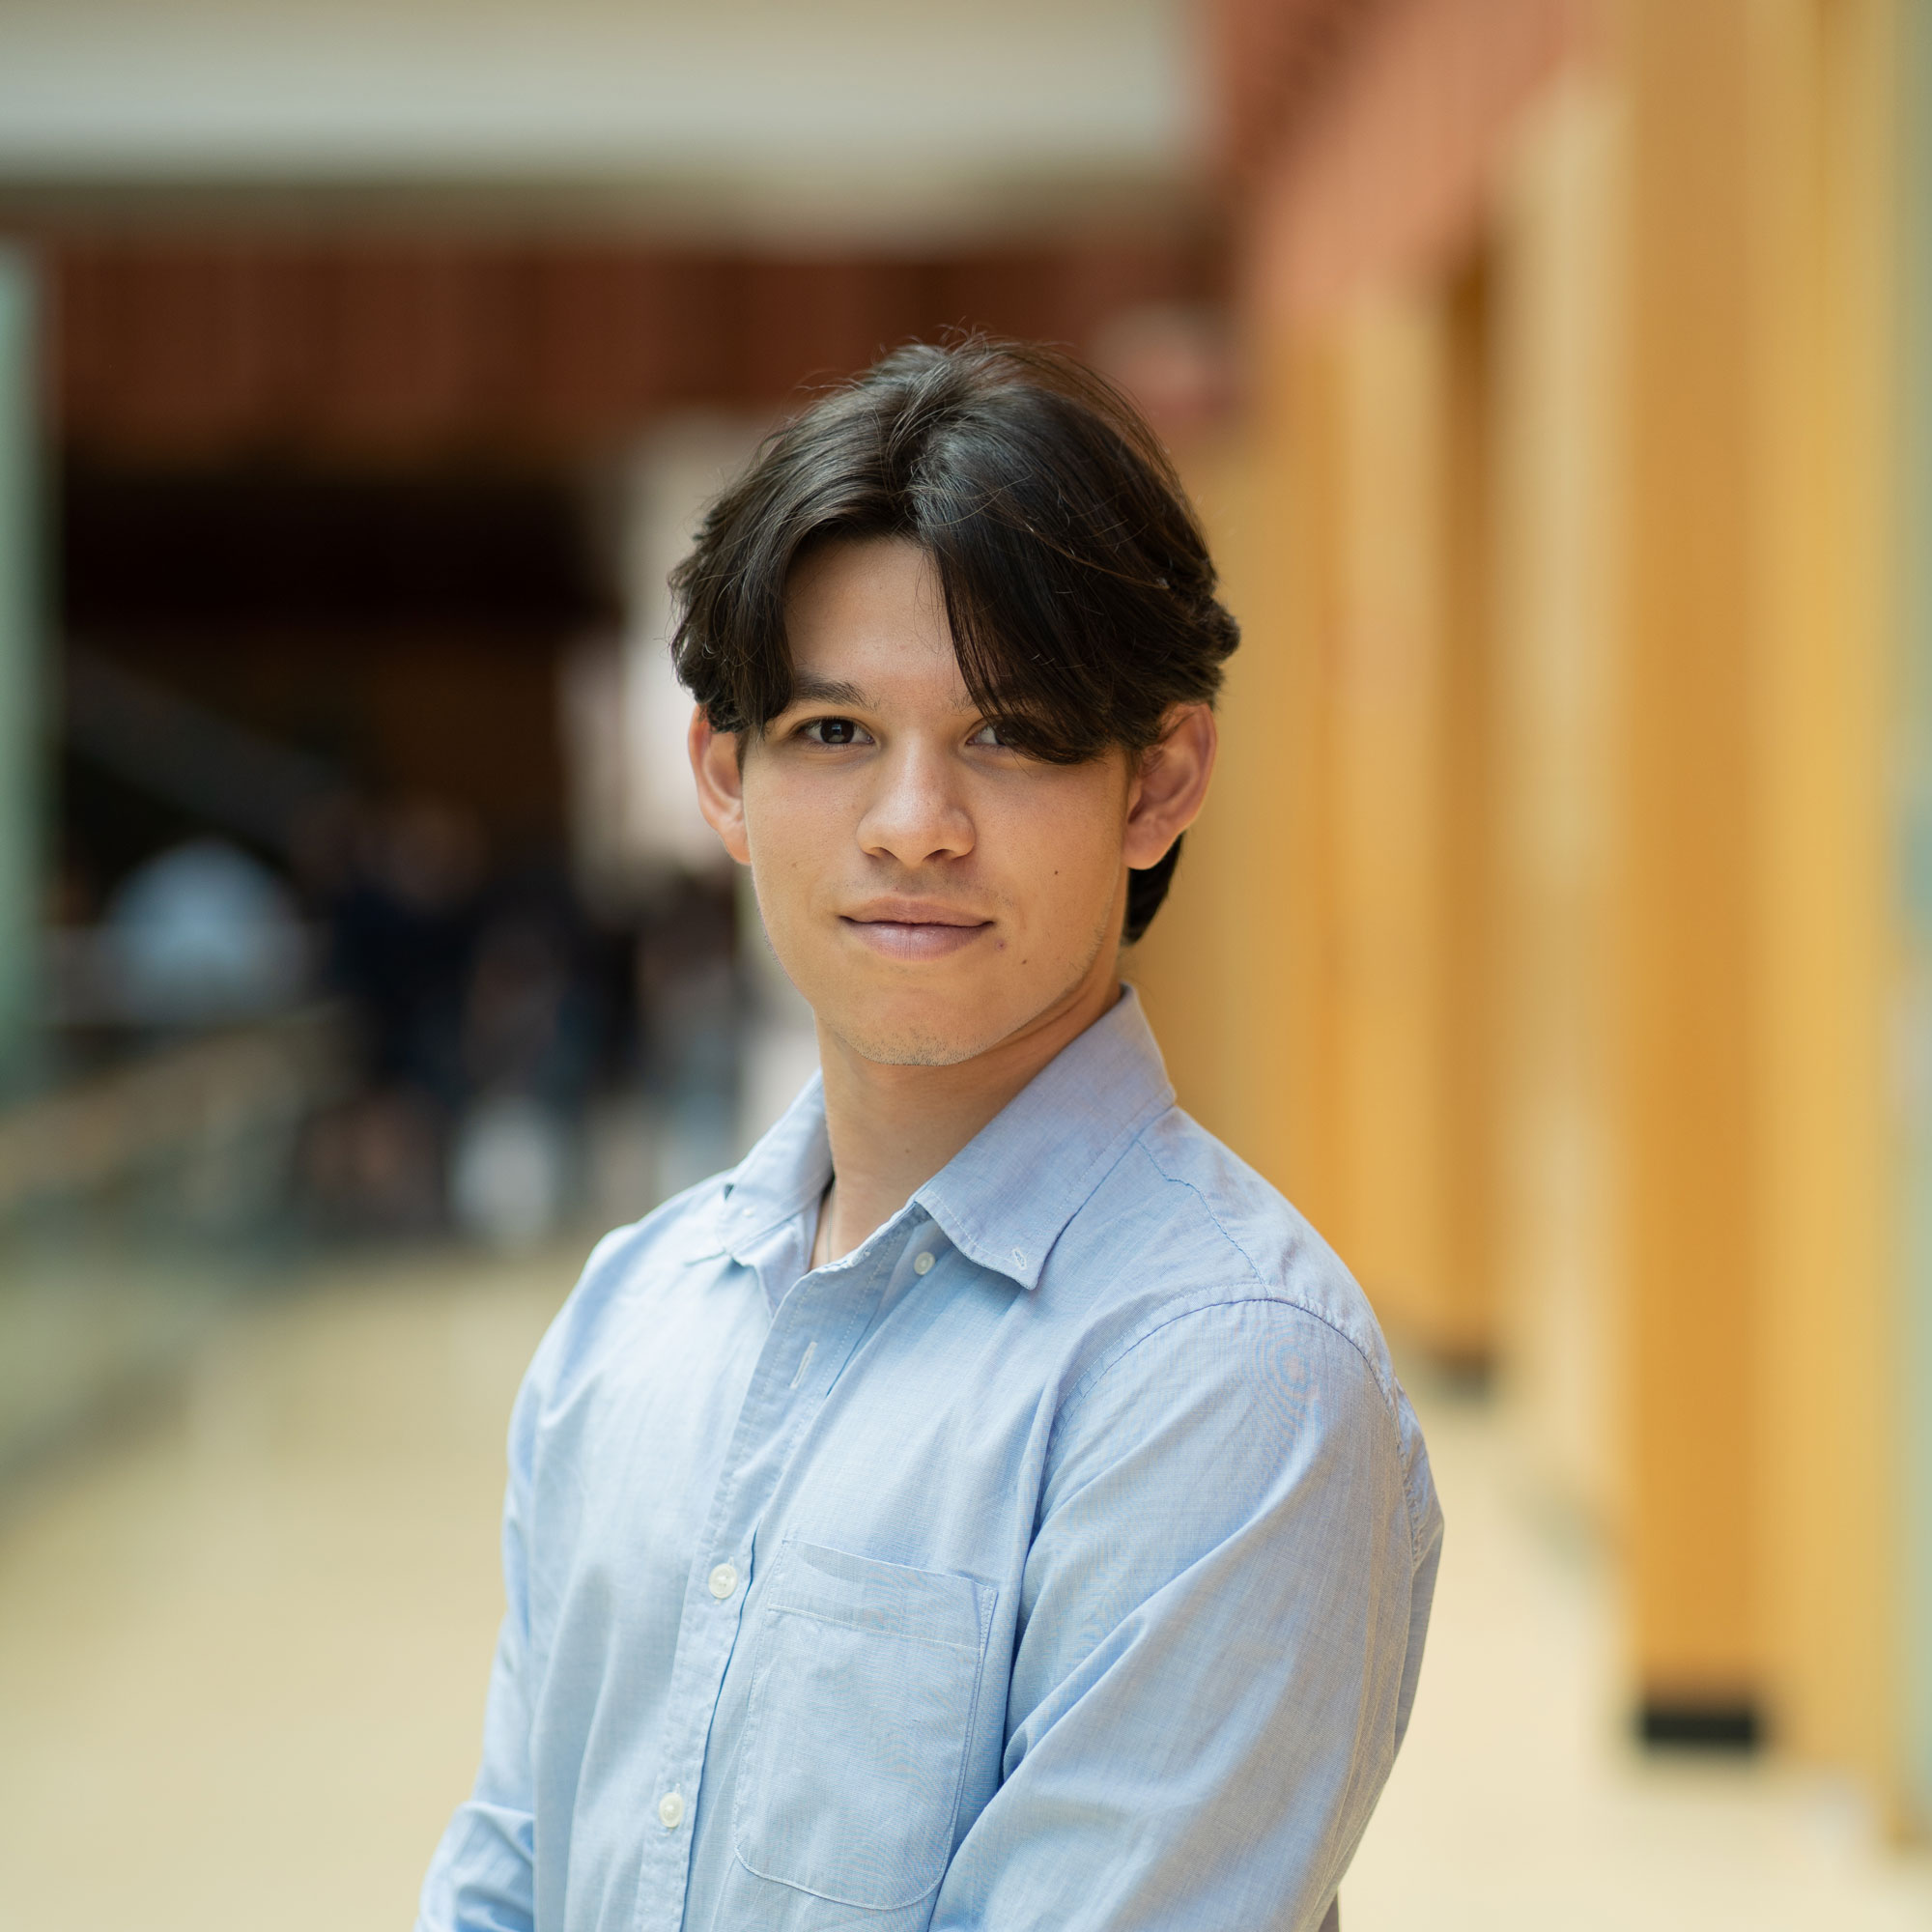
[
  {"x": 1390, "y": 904},
  {"x": 1323, "y": 968},
  {"x": 1912, "y": 888},
  {"x": 1217, "y": 970},
  {"x": 1820, "y": 74},
  {"x": 1299, "y": 458},
  {"x": 1758, "y": 941},
  {"x": 1470, "y": 904},
  {"x": 1559, "y": 406},
  {"x": 1690, "y": 963}
]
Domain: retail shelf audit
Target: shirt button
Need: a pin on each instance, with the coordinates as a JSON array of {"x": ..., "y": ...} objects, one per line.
[
  {"x": 923, "y": 1265},
  {"x": 670, "y": 1810},
  {"x": 724, "y": 1580}
]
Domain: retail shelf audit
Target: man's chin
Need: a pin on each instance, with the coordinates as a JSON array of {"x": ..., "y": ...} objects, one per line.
[
  {"x": 924, "y": 1032},
  {"x": 940, "y": 1025},
  {"x": 914, "y": 1043}
]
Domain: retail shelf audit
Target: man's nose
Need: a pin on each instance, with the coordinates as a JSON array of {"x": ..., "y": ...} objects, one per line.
[{"x": 918, "y": 813}]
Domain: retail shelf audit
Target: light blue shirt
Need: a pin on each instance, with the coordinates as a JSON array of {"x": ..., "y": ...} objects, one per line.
[{"x": 1060, "y": 1558}]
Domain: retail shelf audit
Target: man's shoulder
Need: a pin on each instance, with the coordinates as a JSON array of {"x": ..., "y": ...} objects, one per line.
[
  {"x": 1188, "y": 1254},
  {"x": 1181, "y": 1221}
]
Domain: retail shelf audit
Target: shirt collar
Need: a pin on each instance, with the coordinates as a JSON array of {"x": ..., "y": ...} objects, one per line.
[
  {"x": 1005, "y": 1197},
  {"x": 783, "y": 1174}
]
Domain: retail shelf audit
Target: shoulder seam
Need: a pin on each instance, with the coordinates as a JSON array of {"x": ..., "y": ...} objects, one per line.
[
  {"x": 1205, "y": 1301},
  {"x": 1283, "y": 1297},
  {"x": 1281, "y": 1293},
  {"x": 1166, "y": 1173}
]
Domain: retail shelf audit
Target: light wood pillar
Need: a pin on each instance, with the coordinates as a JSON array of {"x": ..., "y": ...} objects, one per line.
[
  {"x": 1821, "y": 74},
  {"x": 1689, "y": 964},
  {"x": 1911, "y": 860},
  {"x": 1218, "y": 968},
  {"x": 1471, "y": 936},
  {"x": 1300, "y": 458},
  {"x": 1388, "y": 694},
  {"x": 1757, "y": 940},
  {"x": 1560, "y": 407},
  {"x": 1324, "y": 963}
]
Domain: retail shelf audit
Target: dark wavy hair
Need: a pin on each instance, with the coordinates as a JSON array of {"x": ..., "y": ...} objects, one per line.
[{"x": 1077, "y": 581}]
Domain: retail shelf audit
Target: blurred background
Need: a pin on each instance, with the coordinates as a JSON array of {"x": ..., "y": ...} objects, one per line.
[{"x": 1553, "y": 378}]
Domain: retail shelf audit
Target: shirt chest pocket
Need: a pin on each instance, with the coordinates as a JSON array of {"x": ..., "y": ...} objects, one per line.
[{"x": 864, "y": 1681}]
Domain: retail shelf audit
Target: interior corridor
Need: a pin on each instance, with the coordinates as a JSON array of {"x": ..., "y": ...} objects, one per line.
[{"x": 275, "y": 1592}]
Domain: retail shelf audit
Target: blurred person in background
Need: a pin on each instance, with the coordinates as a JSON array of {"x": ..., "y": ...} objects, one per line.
[
  {"x": 481, "y": 1022},
  {"x": 202, "y": 933},
  {"x": 989, "y": 1505},
  {"x": 529, "y": 1051},
  {"x": 401, "y": 905}
]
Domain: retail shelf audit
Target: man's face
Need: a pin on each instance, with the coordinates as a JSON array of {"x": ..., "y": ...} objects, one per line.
[{"x": 930, "y": 892}]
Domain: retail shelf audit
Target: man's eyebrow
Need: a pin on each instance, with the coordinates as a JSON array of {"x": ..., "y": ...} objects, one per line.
[{"x": 808, "y": 688}]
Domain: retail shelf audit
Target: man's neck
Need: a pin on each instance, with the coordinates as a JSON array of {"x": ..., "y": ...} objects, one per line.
[{"x": 892, "y": 1128}]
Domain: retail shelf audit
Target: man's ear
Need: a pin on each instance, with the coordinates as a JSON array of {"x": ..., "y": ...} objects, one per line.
[
  {"x": 1170, "y": 785},
  {"x": 719, "y": 769}
]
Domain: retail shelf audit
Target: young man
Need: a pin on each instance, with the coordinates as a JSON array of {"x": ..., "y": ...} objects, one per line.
[{"x": 991, "y": 1504}]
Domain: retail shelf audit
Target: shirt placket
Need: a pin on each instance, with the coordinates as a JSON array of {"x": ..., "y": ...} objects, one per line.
[{"x": 812, "y": 1335}]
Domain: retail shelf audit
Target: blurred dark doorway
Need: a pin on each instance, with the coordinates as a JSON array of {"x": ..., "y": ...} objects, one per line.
[{"x": 404, "y": 629}]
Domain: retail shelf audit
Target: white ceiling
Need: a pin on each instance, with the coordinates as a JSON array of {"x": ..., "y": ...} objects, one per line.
[{"x": 865, "y": 112}]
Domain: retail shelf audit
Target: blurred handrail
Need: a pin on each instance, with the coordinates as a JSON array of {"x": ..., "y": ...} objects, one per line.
[{"x": 183, "y": 1098}]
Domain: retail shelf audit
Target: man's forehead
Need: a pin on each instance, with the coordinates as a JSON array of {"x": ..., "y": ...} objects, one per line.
[{"x": 847, "y": 575}]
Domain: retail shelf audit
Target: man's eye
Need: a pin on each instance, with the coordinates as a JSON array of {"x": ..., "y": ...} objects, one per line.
[
  {"x": 987, "y": 734},
  {"x": 833, "y": 731}
]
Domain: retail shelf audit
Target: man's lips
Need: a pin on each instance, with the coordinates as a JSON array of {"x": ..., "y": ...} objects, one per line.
[{"x": 913, "y": 930}]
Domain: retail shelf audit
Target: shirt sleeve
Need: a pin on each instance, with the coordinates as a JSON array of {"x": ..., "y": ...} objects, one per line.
[
  {"x": 1220, "y": 1625},
  {"x": 482, "y": 1876}
]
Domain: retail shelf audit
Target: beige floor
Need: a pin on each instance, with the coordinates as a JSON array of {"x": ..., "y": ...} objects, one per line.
[
  {"x": 243, "y": 1649},
  {"x": 1517, "y": 1803}
]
